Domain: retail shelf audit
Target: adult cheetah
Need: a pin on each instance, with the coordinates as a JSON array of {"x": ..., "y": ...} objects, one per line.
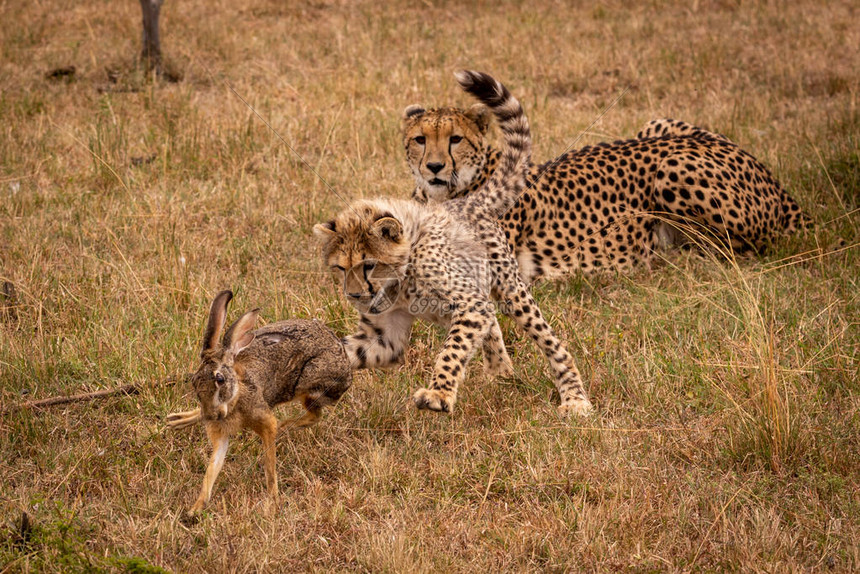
[
  {"x": 446, "y": 262},
  {"x": 607, "y": 205}
]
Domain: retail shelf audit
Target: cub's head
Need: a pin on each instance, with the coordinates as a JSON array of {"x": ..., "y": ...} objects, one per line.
[
  {"x": 366, "y": 249},
  {"x": 445, "y": 148},
  {"x": 218, "y": 377}
]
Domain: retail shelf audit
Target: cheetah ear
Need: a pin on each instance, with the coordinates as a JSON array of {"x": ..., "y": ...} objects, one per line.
[
  {"x": 387, "y": 228},
  {"x": 410, "y": 114},
  {"x": 480, "y": 114},
  {"x": 325, "y": 230},
  {"x": 413, "y": 111}
]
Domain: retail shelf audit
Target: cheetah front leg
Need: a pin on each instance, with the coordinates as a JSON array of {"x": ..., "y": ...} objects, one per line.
[
  {"x": 522, "y": 307},
  {"x": 381, "y": 340},
  {"x": 467, "y": 330},
  {"x": 497, "y": 363}
]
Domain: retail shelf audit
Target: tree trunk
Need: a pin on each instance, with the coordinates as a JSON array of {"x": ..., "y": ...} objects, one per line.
[{"x": 151, "y": 52}]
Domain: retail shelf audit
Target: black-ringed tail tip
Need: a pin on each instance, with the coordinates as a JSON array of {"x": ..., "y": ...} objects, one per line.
[{"x": 483, "y": 86}]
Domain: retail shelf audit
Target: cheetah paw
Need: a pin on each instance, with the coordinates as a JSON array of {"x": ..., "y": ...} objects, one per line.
[
  {"x": 501, "y": 369},
  {"x": 434, "y": 400},
  {"x": 578, "y": 407}
]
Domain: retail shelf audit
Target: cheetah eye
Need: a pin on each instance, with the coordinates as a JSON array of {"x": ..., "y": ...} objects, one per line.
[
  {"x": 456, "y": 139},
  {"x": 338, "y": 268},
  {"x": 369, "y": 266},
  {"x": 420, "y": 140}
]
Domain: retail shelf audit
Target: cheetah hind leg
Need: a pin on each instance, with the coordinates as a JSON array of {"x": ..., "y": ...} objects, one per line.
[
  {"x": 525, "y": 311},
  {"x": 497, "y": 363}
]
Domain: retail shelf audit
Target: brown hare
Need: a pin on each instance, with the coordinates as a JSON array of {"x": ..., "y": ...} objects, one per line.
[{"x": 241, "y": 378}]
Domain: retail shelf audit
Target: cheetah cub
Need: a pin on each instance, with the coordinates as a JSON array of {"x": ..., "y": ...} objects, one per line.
[{"x": 447, "y": 262}]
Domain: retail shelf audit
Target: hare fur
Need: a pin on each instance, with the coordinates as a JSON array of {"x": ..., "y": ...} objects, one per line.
[{"x": 244, "y": 376}]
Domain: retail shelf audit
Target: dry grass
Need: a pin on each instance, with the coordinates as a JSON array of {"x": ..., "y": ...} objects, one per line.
[{"x": 727, "y": 429}]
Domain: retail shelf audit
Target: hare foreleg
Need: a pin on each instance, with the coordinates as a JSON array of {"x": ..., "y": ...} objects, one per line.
[{"x": 220, "y": 441}]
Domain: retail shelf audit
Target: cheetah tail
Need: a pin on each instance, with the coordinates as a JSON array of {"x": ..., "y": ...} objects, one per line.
[{"x": 508, "y": 180}]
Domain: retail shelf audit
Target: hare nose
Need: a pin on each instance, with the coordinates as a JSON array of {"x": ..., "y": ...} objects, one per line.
[{"x": 435, "y": 167}]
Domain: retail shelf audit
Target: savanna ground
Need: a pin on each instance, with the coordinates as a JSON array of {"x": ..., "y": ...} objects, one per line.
[{"x": 726, "y": 434}]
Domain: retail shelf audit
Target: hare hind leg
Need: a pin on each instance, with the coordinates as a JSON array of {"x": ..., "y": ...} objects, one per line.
[
  {"x": 311, "y": 417},
  {"x": 183, "y": 419}
]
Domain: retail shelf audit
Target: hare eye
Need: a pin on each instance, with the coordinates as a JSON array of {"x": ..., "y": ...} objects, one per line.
[
  {"x": 456, "y": 139},
  {"x": 219, "y": 378},
  {"x": 420, "y": 140}
]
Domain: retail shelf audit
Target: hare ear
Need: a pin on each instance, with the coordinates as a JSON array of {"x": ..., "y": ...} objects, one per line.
[
  {"x": 387, "y": 228},
  {"x": 480, "y": 114},
  {"x": 217, "y": 318},
  {"x": 325, "y": 230},
  {"x": 240, "y": 333}
]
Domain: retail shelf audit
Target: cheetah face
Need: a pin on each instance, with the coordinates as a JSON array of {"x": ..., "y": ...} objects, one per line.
[
  {"x": 445, "y": 147},
  {"x": 367, "y": 252}
]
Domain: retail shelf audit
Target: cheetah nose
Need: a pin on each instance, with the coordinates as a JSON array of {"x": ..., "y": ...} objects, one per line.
[{"x": 435, "y": 167}]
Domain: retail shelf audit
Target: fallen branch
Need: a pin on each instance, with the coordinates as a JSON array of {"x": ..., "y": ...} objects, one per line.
[{"x": 130, "y": 389}]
